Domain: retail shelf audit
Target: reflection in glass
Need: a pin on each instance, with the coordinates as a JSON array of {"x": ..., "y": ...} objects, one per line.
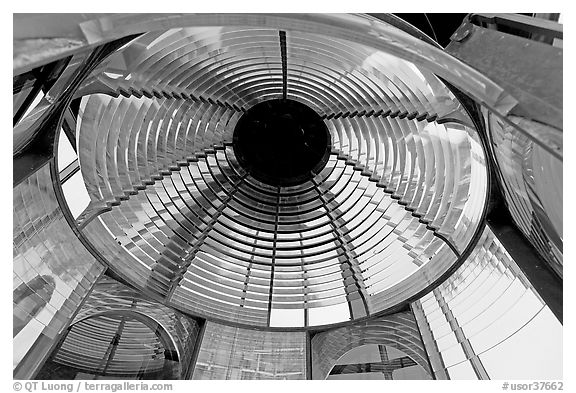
[
  {"x": 108, "y": 347},
  {"x": 370, "y": 362},
  {"x": 486, "y": 321},
  {"x": 227, "y": 352},
  {"x": 397, "y": 332},
  {"x": 531, "y": 180},
  {"x": 53, "y": 272},
  {"x": 29, "y": 299},
  {"x": 120, "y": 333}
]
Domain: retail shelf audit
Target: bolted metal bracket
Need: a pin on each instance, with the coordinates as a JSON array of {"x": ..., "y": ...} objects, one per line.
[{"x": 463, "y": 32}]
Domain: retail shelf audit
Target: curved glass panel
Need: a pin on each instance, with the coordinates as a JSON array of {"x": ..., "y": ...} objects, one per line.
[
  {"x": 235, "y": 353},
  {"x": 398, "y": 332},
  {"x": 486, "y": 321},
  {"x": 376, "y": 362},
  {"x": 109, "y": 347},
  {"x": 119, "y": 333},
  {"x": 532, "y": 185},
  {"x": 387, "y": 193},
  {"x": 53, "y": 272},
  {"x": 398, "y": 200}
]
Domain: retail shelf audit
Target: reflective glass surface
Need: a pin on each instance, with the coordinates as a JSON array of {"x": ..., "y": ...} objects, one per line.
[
  {"x": 166, "y": 200},
  {"x": 112, "y": 347},
  {"x": 397, "y": 331},
  {"x": 377, "y": 362},
  {"x": 398, "y": 199},
  {"x": 53, "y": 272},
  {"x": 532, "y": 185},
  {"x": 119, "y": 333},
  {"x": 487, "y": 321},
  {"x": 234, "y": 353}
]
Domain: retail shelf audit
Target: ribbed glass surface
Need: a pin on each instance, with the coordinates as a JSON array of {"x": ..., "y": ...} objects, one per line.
[
  {"x": 137, "y": 353},
  {"x": 399, "y": 199},
  {"x": 487, "y": 322},
  {"x": 118, "y": 332},
  {"x": 53, "y": 272},
  {"x": 531, "y": 181},
  {"x": 398, "y": 331},
  {"x": 377, "y": 362},
  {"x": 235, "y": 353}
]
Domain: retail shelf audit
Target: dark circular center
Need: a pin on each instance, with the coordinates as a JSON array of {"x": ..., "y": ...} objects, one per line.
[{"x": 281, "y": 142}]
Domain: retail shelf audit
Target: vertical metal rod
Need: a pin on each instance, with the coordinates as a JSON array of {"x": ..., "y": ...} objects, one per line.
[
  {"x": 308, "y": 355},
  {"x": 111, "y": 350},
  {"x": 412, "y": 305},
  {"x": 284, "y": 55},
  {"x": 189, "y": 374},
  {"x": 273, "y": 255}
]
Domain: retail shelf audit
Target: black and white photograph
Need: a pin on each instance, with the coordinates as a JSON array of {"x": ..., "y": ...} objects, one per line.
[{"x": 287, "y": 196}]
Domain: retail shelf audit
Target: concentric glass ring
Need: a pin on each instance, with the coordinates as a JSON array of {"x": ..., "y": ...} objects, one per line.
[{"x": 174, "y": 213}]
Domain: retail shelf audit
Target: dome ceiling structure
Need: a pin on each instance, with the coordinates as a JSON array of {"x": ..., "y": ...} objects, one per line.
[{"x": 395, "y": 196}]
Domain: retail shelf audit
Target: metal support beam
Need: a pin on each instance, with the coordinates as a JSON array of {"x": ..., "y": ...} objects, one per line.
[
  {"x": 539, "y": 26},
  {"x": 69, "y": 127},
  {"x": 536, "y": 80},
  {"x": 189, "y": 373},
  {"x": 34, "y": 90},
  {"x": 384, "y": 367},
  {"x": 41, "y": 78},
  {"x": 284, "y": 56},
  {"x": 418, "y": 314},
  {"x": 69, "y": 171},
  {"x": 41, "y": 147},
  {"x": 309, "y": 336}
]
